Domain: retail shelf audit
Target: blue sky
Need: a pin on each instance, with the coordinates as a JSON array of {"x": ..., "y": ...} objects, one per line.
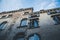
[{"x": 8, "y": 5}]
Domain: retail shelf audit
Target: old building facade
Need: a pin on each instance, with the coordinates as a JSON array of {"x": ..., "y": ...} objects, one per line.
[{"x": 24, "y": 24}]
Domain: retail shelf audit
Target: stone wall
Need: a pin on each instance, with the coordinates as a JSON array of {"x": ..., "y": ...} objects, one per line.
[{"x": 46, "y": 30}]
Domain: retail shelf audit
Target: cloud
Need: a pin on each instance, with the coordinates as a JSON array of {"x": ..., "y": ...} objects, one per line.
[
  {"x": 41, "y": 4},
  {"x": 47, "y": 4},
  {"x": 6, "y": 5},
  {"x": 51, "y": 5}
]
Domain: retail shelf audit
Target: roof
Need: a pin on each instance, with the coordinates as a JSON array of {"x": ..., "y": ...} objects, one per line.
[{"x": 16, "y": 10}]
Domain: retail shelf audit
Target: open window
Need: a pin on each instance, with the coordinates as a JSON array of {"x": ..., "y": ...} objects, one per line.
[{"x": 34, "y": 37}]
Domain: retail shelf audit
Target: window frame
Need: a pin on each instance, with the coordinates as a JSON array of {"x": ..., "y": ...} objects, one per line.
[
  {"x": 19, "y": 35},
  {"x": 33, "y": 24},
  {"x": 54, "y": 19},
  {"x": 10, "y": 15},
  {"x": 5, "y": 22},
  {"x": 4, "y": 16},
  {"x": 33, "y": 35},
  {"x": 25, "y": 13},
  {"x": 22, "y": 21}
]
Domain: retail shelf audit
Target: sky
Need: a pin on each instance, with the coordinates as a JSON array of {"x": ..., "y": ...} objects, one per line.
[{"x": 8, "y": 5}]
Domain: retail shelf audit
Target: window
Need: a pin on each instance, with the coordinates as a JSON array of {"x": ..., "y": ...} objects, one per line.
[
  {"x": 51, "y": 13},
  {"x": 10, "y": 15},
  {"x": 19, "y": 36},
  {"x": 23, "y": 22},
  {"x": 56, "y": 19},
  {"x": 33, "y": 23},
  {"x": 48, "y": 13},
  {"x": 26, "y": 12},
  {"x": 34, "y": 37},
  {"x": 3, "y": 24},
  {"x": 0, "y": 17},
  {"x": 35, "y": 15},
  {"x": 4, "y": 16},
  {"x": 58, "y": 11}
]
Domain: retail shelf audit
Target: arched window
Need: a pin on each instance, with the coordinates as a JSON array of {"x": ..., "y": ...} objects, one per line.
[
  {"x": 2, "y": 25},
  {"x": 23, "y": 22},
  {"x": 34, "y": 37}
]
